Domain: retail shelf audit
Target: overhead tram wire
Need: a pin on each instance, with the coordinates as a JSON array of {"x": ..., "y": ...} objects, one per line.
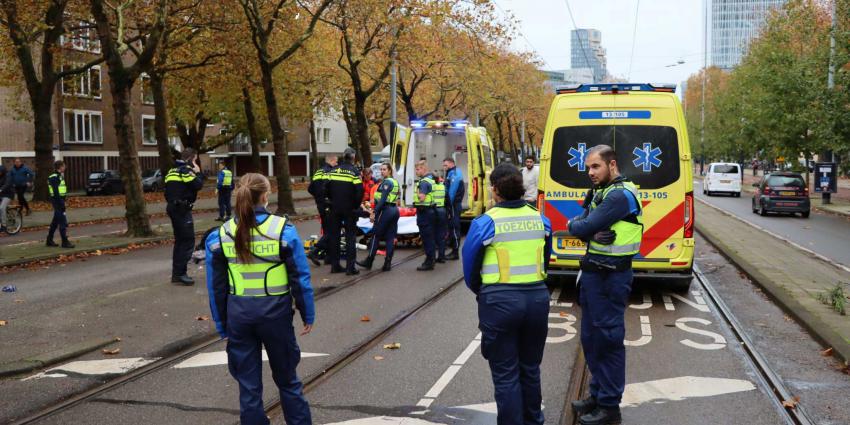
[{"x": 634, "y": 41}]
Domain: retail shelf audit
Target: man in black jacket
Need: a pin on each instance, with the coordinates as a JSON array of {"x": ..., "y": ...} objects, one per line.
[
  {"x": 57, "y": 190},
  {"x": 182, "y": 184},
  {"x": 344, "y": 191},
  {"x": 317, "y": 190}
]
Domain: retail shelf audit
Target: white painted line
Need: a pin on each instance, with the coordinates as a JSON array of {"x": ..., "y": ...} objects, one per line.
[
  {"x": 681, "y": 388},
  {"x": 698, "y": 297},
  {"x": 645, "y": 334},
  {"x": 783, "y": 239},
  {"x": 448, "y": 375},
  {"x": 443, "y": 382},
  {"x": 701, "y": 307},
  {"x": 217, "y": 358},
  {"x": 668, "y": 302},
  {"x": 94, "y": 367},
  {"x": 556, "y": 294},
  {"x": 466, "y": 354},
  {"x": 647, "y": 302}
]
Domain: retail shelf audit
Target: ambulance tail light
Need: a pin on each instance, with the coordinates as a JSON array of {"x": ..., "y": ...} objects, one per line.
[
  {"x": 475, "y": 189},
  {"x": 541, "y": 202},
  {"x": 689, "y": 215}
]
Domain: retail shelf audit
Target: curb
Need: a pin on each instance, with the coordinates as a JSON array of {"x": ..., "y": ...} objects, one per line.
[
  {"x": 809, "y": 321},
  {"x": 22, "y": 366},
  {"x": 119, "y": 245}
]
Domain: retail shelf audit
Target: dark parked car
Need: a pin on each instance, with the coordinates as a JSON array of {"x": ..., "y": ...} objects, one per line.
[
  {"x": 104, "y": 182},
  {"x": 782, "y": 192},
  {"x": 152, "y": 180}
]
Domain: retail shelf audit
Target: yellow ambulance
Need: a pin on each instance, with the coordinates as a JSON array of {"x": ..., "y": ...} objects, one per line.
[
  {"x": 434, "y": 141},
  {"x": 645, "y": 125}
]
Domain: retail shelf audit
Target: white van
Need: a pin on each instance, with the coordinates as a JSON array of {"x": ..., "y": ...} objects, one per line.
[{"x": 722, "y": 177}]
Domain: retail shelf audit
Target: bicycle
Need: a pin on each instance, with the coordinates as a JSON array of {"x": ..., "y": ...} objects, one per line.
[{"x": 14, "y": 219}]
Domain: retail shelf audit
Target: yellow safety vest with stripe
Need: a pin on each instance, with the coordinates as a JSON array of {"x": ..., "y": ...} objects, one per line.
[
  {"x": 266, "y": 275},
  {"x": 515, "y": 254},
  {"x": 175, "y": 175},
  {"x": 392, "y": 196},
  {"x": 439, "y": 193},
  {"x": 319, "y": 175},
  {"x": 629, "y": 230},
  {"x": 63, "y": 190},
  {"x": 227, "y": 179},
  {"x": 429, "y": 197},
  {"x": 339, "y": 174}
]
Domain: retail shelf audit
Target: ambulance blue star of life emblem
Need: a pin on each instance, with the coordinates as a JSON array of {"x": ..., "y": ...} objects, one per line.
[
  {"x": 577, "y": 156},
  {"x": 647, "y": 157}
]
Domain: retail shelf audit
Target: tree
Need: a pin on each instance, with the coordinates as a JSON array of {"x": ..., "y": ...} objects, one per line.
[
  {"x": 34, "y": 30},
  {"x": 264, "y": 19}
]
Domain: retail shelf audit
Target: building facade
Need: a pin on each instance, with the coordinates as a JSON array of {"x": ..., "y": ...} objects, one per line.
[
  {"x": 586, "y": 51},
  {"x": 731, "y": 25}
]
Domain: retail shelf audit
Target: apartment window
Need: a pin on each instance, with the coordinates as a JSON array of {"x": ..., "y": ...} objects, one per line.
[
  {"x": 83, "y": 38},
  {"x": 148, "y": 130},
  {"x": 326, "y": 132},
  {"x": 84, "y": 84},
  {"x": 82, "y": 126},
  {"x": 147, "y": 90}
]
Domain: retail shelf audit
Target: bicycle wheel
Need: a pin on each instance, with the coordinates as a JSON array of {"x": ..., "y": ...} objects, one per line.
[{"x": 14, "y": 221}]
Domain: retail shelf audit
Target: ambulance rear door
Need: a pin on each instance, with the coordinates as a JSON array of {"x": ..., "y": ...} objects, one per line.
[{"x": 402, "y": 164}]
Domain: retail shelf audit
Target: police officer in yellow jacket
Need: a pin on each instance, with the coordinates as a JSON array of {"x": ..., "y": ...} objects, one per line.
[
  {"x": 441, "y": 219},
  {"x": 612, "y": 226},
  {"x": 426, "y": 213},
  {"x": 256, "y": 269},
  {"x": 385, "y": 216},
  {"x": 58, "y": 191},
  {"x": 504, "y": 264},
  {"x": 182, "y": 184}
]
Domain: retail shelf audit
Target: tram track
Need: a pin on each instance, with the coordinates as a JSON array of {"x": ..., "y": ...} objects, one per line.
[{"x": 181, "y": 355}]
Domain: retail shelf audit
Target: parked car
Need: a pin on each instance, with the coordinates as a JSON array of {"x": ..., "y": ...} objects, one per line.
[
  {"x": 722, "y": 177},
  {"x": 782, "y": 192},
  {"x": 104, "y": 182},
  {"x": 152, "y": 180}
]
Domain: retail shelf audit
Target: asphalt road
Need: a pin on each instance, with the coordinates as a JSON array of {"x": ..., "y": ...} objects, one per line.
[{"x": 825, "y": 234}]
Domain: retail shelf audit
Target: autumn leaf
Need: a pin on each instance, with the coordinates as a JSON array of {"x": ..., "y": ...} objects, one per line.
[
  {"x": 564, "y": 314},
  {"x": 202, "y": 318},
  {"x": 365, "y": 318},
  {"x": 791, "y": 404},
  {"x": 827, "y": 352},
  {"x": 379, "y": 358},
  {"x": 393, "y": 346},
  {"x": 2, "y": 323},
  {"x": 110, "y": 352}
]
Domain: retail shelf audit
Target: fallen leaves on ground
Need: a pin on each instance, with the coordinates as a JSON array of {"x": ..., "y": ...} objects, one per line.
[
  {"x": 393, "y": 346},
  {"x": 379, "y": 358},
  {"x": 365, "y": 318},
  {"x": 827, "y": 352},
  {"x": 111, "y": 352},
  {"x": 791, "y": 404},
  {"x": 202, "y": 318}
]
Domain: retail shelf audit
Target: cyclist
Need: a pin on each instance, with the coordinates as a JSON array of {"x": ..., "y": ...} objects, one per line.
[{"x": 7, "y": 192}]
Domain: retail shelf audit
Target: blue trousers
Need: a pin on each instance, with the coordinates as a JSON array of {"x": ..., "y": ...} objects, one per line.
[
  {"x": 336, "y": 222},
  {"x": 603, "y": 297},
  {"x": 513, "y": 325},
  {"x": 386, "y": 226},
  {"x": 184, "y": 238},
  {"x": 60, "y": 221},
  {"x": 246, "y": 339},
  {"x": 454, "y": 224},
  {"x": 441, "y": 229},
  {"x": 426, "y": 220},
  {"x": 224, "y": 202}
]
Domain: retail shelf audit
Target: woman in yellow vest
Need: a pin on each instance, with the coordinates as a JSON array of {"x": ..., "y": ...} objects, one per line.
[
  {"x": 256, "y": 268},
  {"x": 504, "y": 264},
  {"x": 385, "y": 216}
]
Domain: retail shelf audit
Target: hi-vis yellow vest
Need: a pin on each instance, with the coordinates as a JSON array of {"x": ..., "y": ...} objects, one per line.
[
  {"x": 392, "y": 196},
  {"x": 515, "y": 254},
  {"x": 63, "y": 189},
  {"x": 429, "y": 197},
  {"x": 439, "y": 194},
  {"x": 629, "y": 231},
  {"x": 227, "y": 178},
  {"x": 266, "y": 275}
]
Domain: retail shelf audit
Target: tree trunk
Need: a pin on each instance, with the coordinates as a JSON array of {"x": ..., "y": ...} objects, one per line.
[
  {"x": 281, "y": 154},
  {"x": 501, "y": 143},
  {"x": 253, "y": 137},
  {"x": 166, "y": 160},
  {"x": 382, "y": 133},
  {"x": 350, "y": 126},
  {"x": 314, "y": 150},
  {"x": 362, "y": 129},
  {"x": 411, "y": 111},
  {"x": 138, "y": 222},
  {"x": 43, "y": 122}
]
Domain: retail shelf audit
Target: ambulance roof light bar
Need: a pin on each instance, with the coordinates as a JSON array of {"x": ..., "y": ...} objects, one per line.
[{"x": 615, "y": 87}]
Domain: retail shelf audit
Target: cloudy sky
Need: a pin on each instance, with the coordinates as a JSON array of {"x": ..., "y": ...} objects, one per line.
[{"x": 667, "y": 31}]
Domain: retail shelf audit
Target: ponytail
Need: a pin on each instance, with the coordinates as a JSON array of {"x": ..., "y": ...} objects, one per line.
[{"x": 251, "y": 188}]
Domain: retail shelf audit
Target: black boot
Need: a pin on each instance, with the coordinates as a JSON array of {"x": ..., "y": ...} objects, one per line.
[
  {"x": 427, "y": 265},
  {"x": 51, "y": 243},
  {"x": 183, "y": 280},
  {"x": 336, "y": 268},
  {"x": 367, "y": 263},
  {"x": 441, "y": 260},
  {"x": 352, "y": 272},
  {"x": 67, "y": 244},
  {"x": 314, "y": 257},
  {"x": 602, "y": 416},
  {"x": 388, "y": 264},
  {"x": 453, "y": 256},
  {"x": 585, "y": 406}
]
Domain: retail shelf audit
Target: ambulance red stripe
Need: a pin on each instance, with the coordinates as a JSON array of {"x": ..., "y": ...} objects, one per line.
[{"x": 663, "y": 230}]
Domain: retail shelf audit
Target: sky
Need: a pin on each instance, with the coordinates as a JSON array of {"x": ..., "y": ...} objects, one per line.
[{"x": 667, "y": 31}]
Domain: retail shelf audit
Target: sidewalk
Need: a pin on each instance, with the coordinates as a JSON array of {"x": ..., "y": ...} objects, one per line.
[
  {"x": 793, "y": 278},
  {"x": 840, "y": 201},
  {"x": 83, "y": 215}
]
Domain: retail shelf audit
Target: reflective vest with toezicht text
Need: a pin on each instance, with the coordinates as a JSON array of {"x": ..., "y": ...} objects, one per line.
[
  {"x": 629, "y": 230},
  {"x": 266, "y": 274},
  {"x": 515, "y": 254}
]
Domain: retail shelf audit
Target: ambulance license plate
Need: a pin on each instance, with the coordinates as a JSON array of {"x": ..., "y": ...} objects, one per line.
[
  {"x": 725, "y": 181},
  {"x": 570, "y": 243},
  {"x": 788, "y": 193}
]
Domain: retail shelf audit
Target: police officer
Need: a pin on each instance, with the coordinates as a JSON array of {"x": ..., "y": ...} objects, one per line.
[
  {"x": 612, "y": 225},
  {"x": 504, "y": 264},
  {"x": 224, "y": 188},
  {"x": 385, "y": 216},
  {"x": 57, "y": 190},
  {"x": 317, "y": 190},
  {"x": 454, "y": 200},
  {"x": 182, "y": 184},
  {"x": 441, "y": 221},
  {"x": 344, "y": 191},
  {"x": 426, "y": 214},
  {"x": 255, "y": 270}
]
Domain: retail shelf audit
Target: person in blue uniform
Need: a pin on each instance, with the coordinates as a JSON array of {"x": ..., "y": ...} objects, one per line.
[
  {"x": 317, "y": 190},
  {"x": 612, "y": 226},
  {"x": 182, "y": 184},
  {"x": 455, "y": 190},
  {"x": 385, "y": 216},
  {"x": 256, "y": 270},
  {"x": 344, "y": 191},
  {"x": 22, "y": 178},
  {"x": 504, "y": 263},
  {"x": 426, "y": 214},
  {"x": 57, "y": 190},
  {"x": 224, "y": 189}
]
